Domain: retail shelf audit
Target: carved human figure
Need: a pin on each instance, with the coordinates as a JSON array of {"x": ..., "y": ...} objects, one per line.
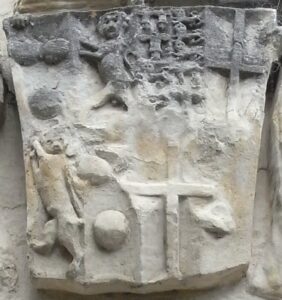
[
  {"x": 110, "y": 59},
  {"x": 182, "y": 52},
  {"x": 146, "y": 25},
  {"x": 155, "y": 48},
  {"x": 109, "y": 55},
  {"x": 162, "y": 24},
  {"x": 194, "y": 37},
  {"x": 180, "y": 47},
  {"x": 193, "y": 21},
  {"x": 56, "y": 187},
  {"x": 146, "y": 69},
  {"x": 19, "y": 22},
  {"x": 179, "y": 28}
]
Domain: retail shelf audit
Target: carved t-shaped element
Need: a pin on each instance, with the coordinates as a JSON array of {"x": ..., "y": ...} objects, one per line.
[
  {"x": 236, "y": 65},
  {"x": 172, "y": 189}
]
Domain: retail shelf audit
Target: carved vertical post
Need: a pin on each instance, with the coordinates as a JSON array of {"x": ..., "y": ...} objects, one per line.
[{"x": 236, "y": 61}]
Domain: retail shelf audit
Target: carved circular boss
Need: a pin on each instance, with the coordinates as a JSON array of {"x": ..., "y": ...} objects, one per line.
[{"x": 111, "y": 229}]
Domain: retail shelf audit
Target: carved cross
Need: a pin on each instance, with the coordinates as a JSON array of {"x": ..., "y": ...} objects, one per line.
[
  {"x": 236, "y": 65},
  {"x": 155, "y": 40},
  {"x": 172, "y": 190}
]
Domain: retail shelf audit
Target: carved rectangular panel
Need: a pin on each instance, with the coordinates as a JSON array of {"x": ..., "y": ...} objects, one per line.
[{"x": 141, "y": 132}]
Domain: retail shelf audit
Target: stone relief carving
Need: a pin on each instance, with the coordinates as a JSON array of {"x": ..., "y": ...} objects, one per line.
[
  {"x": 137, "y": 129},
  {"x": 60, "y": 199},
  {"x": 265, "y": 273}
]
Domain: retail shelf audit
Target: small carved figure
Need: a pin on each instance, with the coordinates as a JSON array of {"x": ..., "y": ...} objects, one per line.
[
  {"x": 155, "y": 48},
  {"x": 182, "y": 52},
  {"x": 111, "y": 24},
  {"x": 145, "y": 66},
  {"x": 179, "y": 28},
  {"x": 167, "y": 48},
  {"x": 146, "y": 25},
  {"x": 159, "y": 101},
  {"x": 109, "y": 55},
  {"x": 111, "y": 62},
  {"x": 180, "y": 47},
  {"x": 147, "y": 70},
  {"x": 193, "y": 21},
  {"x": 56, "y": 186},
  {"x": 162, "y": 24},
  {"x": 19, "y": 22},
  {"x": 194, "y": 38}
]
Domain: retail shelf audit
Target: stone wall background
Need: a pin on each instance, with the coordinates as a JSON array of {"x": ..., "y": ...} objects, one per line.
[{"x": 14, "y": 275}]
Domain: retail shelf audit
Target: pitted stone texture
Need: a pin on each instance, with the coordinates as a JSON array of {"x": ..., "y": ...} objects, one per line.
[
  {"x": 265, "y": 274},
  {"x": 45, "y": 104},
  {"x": 176, "y": 97},
  {"x": 54, "y": 51},
  {"x": 8, "y": 273}
]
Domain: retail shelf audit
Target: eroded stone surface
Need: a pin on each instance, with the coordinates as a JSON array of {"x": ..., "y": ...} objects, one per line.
[
  {"x": 45, "y": 104},
  {"x": 111, "y": 229},
  {"x": 265, "y": 273},
  {"x": 160, "y": 119},
  {"x": 8, "y": 272}
]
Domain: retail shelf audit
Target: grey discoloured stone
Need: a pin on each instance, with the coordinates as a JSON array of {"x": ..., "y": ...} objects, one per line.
[
  {"x": 160, "y": 121},
  {"x": 31, "y": 50},
  {"x": 6, "y": 87},
  {"x": 25, "y": 53},
  {"x": 45, "y": 104},
  {"x": 54, "y": 51}
]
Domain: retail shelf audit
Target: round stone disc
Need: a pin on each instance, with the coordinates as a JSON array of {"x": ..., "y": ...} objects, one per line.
[{"x": 111, "y": 228}]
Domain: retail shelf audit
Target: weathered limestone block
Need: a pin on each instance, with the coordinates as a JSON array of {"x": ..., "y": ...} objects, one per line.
[
  {"x": 265, "y": 275},
  {"x": 141, "y": 133}
]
